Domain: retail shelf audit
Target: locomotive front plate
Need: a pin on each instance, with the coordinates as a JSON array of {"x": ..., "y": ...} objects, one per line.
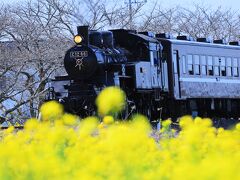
[
  {"x": 80, "y": 62},
  {"x": 79, "y": 54}
]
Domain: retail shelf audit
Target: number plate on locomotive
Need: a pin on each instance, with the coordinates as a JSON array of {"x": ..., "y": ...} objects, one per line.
[{"x": 78, "y": 54}]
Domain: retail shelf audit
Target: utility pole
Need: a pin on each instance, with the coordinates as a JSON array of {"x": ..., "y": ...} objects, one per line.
[{"x": 130, "y": 2}]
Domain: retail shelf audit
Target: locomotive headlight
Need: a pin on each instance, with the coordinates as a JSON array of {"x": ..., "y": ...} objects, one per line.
[{"x": 78, "y": 39}]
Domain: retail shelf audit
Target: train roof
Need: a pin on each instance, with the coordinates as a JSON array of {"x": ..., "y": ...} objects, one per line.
[
  {"x": 196, "y": 43},
  {"x": 124, "y": 32},
  {"x": 147, "y": 38}
]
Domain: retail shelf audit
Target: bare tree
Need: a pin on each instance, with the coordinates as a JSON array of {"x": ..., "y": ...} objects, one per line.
[
  {"x": 160, "y": 20},
  {"x": 101, "y": 14},
  {"x": 203, "y": 22},
  {"x": 199, "y": 21},
  {"x": 39, "y": 46},
  {"x": 38, "y": 32}
]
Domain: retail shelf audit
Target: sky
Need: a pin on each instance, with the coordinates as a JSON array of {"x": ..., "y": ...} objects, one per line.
[{"x": 233, "y": 4}]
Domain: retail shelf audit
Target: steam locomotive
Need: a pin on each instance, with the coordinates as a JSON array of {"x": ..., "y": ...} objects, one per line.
[{"x": 162, "y": 76}]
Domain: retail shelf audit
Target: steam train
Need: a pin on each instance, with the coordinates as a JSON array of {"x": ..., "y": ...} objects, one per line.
[{"x": 162, "y": 76}]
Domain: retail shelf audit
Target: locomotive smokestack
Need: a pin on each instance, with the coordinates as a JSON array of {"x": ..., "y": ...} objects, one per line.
[{"x": 83, "y": 31}]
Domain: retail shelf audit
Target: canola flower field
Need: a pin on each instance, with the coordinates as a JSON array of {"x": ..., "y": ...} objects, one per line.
[{"x": 60, "y": 146}]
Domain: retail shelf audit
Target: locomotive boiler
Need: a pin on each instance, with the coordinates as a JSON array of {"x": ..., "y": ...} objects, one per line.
[{"x": 161, "y": 76}]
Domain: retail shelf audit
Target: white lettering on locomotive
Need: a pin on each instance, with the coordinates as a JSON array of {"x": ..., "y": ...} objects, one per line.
[{"x": 78, "y": 54}]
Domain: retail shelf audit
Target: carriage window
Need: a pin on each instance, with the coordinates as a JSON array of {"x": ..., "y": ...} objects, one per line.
[
  {"x": 238, "y": 66},
  {"x": 229, "y": 66},
  {"x": 210, "y": 65},
  {"x": 235, "y": 72},
  {"x": 164, "y": 57},
  {"x": 216, "y": 66},
  {"x": 175, "y": 61},
  {"x": 184, "y": 64},
  {"x": 196, "y": 64},
  {"x": 156, "y": 58},
  {"x": 203, "y": 65},
  {"x": 223, "y": 66},
  {"x": 235, "y": 67},
  {"x": 190, "y": 64}
]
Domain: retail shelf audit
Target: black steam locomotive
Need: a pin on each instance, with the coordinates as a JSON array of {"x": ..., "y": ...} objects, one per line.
[{"x": 162, "y": 76}]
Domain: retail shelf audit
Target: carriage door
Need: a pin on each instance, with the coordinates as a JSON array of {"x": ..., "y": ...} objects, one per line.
[{"x": 176, "y": 74}]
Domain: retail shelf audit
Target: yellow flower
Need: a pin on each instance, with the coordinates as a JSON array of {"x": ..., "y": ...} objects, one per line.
[
  {"x": 70, "y": 120},
  {"x": 198, "y": 120},
  {"x": 9, "y": 130},
  {"x": 185, "y": 121},
  {"x": 108, "y": 119},
  {"x": 88, "y": 126},
  {"x": 166, "y": 123},
  {"x": 140, "y": 122},
  {"x": 130, "y": 149},
  {"x": 31, "y": 124},
  {"x": 101, "y": 126},
  {"x": 238, "y": 126},
  {"x": 51, "y": 110},
  {"x": 207, "y": 122},
  {"x": 110, "y": 100},
  {"x": 220, "y": 130}
]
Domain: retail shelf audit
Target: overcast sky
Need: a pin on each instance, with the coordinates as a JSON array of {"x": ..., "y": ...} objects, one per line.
[{"x": 233, "y": 4}]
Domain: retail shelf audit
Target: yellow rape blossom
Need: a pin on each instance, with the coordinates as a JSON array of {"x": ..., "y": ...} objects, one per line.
[
  {"x": 186, "y": 121},
  {"x": 108, "y": 120},
  {"x": 110, "y": 100},
  {"x": 125, "y": 150},
  {"x": 31, "y": 124},
  {"x": 51, "y": 110},
  {"x": 70, "y": 120},
  {"x": 9, "y": 130},
  {"x": 166, "y": 123},
  {"x": 238, "y": 126}
]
